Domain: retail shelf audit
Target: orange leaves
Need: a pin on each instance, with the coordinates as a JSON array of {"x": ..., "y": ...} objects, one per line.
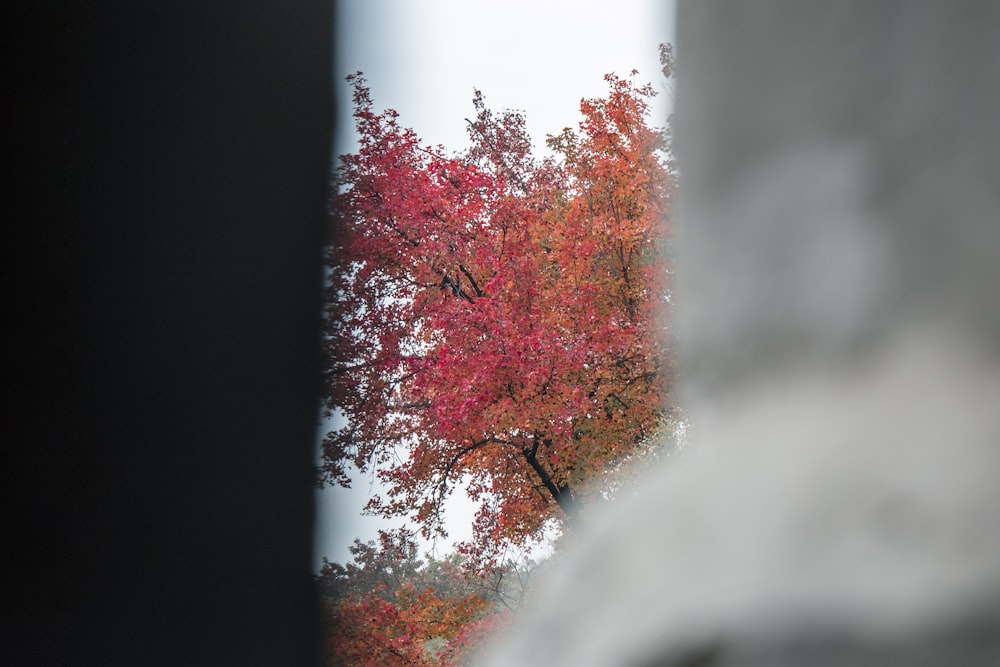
[
  {"x": 388, "y": 608},
  {"x": 366, "y": 631},
  {"x": 495, "y": 316}
]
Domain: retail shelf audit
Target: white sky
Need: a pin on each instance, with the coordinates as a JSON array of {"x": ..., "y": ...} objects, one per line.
[{"x": 424, "y": 59}]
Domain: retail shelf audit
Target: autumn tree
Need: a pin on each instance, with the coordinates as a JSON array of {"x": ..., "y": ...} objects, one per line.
[
  {"x": 495, "y": 320},
  {"x": 388, "y": 607}
]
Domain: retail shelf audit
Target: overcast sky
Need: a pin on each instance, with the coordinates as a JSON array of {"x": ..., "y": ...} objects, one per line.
[{"x": 425, "y": 58}]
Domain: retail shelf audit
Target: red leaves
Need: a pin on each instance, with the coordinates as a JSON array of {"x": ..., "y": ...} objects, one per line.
[
  {"x": 388, "y": 608},
  {"x": 468, "y": 647},
  {"x": 485, "y": 305}
]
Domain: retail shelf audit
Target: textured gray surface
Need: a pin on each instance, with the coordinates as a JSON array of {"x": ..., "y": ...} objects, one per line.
[{"x": 838, "y": 263}]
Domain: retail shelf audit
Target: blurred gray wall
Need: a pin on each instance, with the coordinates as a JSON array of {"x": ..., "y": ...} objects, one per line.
[{"x": 838, "y": 303}]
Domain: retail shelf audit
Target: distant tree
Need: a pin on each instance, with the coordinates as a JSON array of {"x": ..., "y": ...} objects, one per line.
[
  {"x": 380, "y": 567},
  {"x": 497, "y": 320},
  {"x": 387, "y": 607}
]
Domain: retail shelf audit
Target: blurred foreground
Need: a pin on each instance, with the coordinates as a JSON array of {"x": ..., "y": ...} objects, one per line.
[{"x": 838, "y": 262}]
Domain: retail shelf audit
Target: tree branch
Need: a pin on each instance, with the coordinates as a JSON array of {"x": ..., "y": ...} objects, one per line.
[
  {"x": 563, "y": 495},
  {"x": 442, "y": 487},
  {"x": 472, "y": 280}
]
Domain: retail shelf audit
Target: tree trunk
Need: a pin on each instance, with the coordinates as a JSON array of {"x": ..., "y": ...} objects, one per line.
[{"x": 563, "y": 495}]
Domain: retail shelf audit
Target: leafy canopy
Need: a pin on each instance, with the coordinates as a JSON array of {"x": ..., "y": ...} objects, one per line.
[
  {"x": 387, "y": 607},
  {"x": 496, "y": 319}
]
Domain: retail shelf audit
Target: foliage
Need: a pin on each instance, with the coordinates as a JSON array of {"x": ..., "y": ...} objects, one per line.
[
  {"x": 389, "y": 608},
  {"x": 470, "y": 645},
  {"x": 498, "y": 319}
]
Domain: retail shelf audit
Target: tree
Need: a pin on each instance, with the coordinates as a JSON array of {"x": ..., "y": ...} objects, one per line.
[
  {"x": 495, "y": 319},
  {"x": 387, "y": 607}
]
